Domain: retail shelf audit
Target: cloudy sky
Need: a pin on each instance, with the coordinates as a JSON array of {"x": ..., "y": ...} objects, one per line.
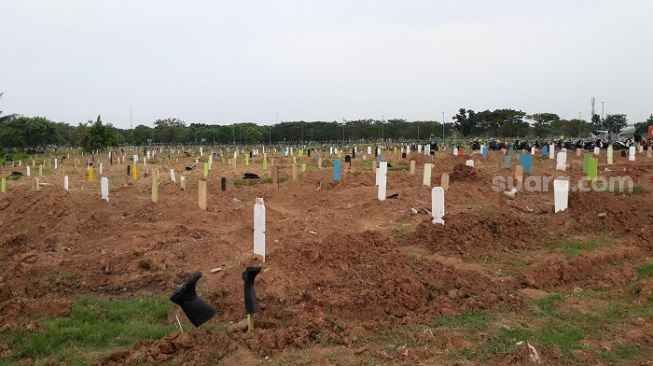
[{"x": 230, "y": 61}]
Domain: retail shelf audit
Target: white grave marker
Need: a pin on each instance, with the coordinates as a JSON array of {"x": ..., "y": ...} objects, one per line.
[
  {"x": 631, "y": 155},
  {"x": 470, "y": 163},
  {"x": 561, "y": 194},
  {"x": 172, "y": 176},
  {"x": 65, "y": 182},
  {"x": 104, "y": 186},
  {"x": 382, "y": 179},
  {"x": 437, "y": 205},
  {"x": 259, "y": 228},
  {"x": 561, "y": 162}
]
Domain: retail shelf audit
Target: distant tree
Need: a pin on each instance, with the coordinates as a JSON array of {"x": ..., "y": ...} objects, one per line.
[
  {"x": 98, "y": 136},
  {"x": 642, "y": 127},
  {"x": 170, "y": 130},
  {"x": 613, "y": 123},
  {"x": 596, "y": 121},
  {"x": 465, "y": 121},
  {"x": 141, "y": 134},
  {"x": 542, "y": 123}
]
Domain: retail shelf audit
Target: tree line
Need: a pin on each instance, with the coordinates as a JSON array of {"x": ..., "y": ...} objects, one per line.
[{"x": 37, "y": 133}]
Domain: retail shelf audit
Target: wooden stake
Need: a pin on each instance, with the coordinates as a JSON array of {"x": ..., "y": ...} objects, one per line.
[
  {"x": 155, "y": 186},
  {"x": 201, "y": 188},
  {"x": 250, "y": 322},
  {"x": 275, "y": 177}
]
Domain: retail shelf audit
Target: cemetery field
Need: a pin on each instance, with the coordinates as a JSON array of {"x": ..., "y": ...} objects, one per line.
[{"x": 347, "y": 279}]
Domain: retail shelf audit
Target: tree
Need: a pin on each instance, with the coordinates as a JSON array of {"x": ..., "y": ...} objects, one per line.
[
  {"x": 613, "y": 123},
  {"x": 596, "y": 121},
  {"x": 542, "y": 123},
  {"x": 642, "y": 127},
  {"x": 98, "y": 136},
  {"x": 465, "y": 121},
  {"x": 170, "y": 130}
]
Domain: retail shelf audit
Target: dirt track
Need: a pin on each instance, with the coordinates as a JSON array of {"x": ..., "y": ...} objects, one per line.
[{"x": 343, "y": 270}]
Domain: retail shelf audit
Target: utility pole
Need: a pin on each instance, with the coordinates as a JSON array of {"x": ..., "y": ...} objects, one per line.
[
  {"x": 602, "y": 110},
  {"x": 442, "y": 126},
  {"x": 579, "y": 122},
  {"x": 131, "y": 123}
]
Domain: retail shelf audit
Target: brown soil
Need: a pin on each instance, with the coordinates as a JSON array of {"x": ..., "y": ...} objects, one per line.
[{"x": 342, "y": 268}]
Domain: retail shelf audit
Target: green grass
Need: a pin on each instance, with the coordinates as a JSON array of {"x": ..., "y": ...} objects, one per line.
[
  {"x": 547, "y": 304},
  {"x": 574, "y": 247},
  {"x": 94, "y": 327},
  {"x": 470, "y": 321},
  {"x": 645, "y": 270},
  {"x": 620, "y": 353},
  {"x": 566, "y": 335}
]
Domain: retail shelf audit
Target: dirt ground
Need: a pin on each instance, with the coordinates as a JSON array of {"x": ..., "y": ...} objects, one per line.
[{"x": 347, "y": 279}]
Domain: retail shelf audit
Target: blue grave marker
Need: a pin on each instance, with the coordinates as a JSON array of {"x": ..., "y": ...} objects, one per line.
[
  {"x": 526, "y": 161},
  {"x": 336, "y": 170},
  {"x": 506, "y": 161}
]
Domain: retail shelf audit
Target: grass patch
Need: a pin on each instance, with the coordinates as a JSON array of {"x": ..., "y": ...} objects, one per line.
[
  {"x": 566, "y": 335},
  {"x": 574, "y": 247},
  {"x": 95, "y": 326},
  {"x": 645, "y": 270},
  {"x": 470, "y": 321},
  {"x": 620, "y": 353},
  {"x": 547, "y": 304},
  {"x": 502, "y": 342}
]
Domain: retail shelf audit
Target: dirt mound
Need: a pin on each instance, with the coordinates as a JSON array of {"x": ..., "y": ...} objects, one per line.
[
  {"x": 333, "y": 289},
  {"x": 199, "y": 347},
  {"x": 551, "y": 272},
  {"x": 609, "y": 211},
  {"x": 464, "y": 173},
  {"x": 476, "y": 233}
]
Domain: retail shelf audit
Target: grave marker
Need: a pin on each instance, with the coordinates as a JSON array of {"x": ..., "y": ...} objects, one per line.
[
  {"x": 65, "y": 182},
  {"x": 444, "y": 181},
  {"x": 469, "y": 163},
  {"x": 3, "y": 185},
  {"x": 610, "y": 155},
  {"x": 201, "y": 191},
  {"x": 223, "y": 184},
  {"x": 91, "y": 174},
  {"x": 155, "y": 186},
  {"x": 182, "y": 183},
  {"x": 104, "y": 188},
  {"x": 592, "y": 168},
  {"x": 427, "y": 174},
  {"x": 172, "y": 176},
  {"x": 561, "y": 161},
  {"x": 412, "y": 167},
  {"x": 336, "y": 171},
  {"x": 294, "y": 172},
  {"x": 206, "y": 170},
  {"x": 552, "y": 151},
  {"x": 631, "y": 155},
  {"x": 561, "y": 194},
  {"x": 382, "y": 180},
  {"x": 526, "y": 161},
  {"x": 275, "y": 177},
  {"x": 545, "y": 150},
  {"x": 506, "y": 161},
  {"x": 519, "y": 173},
  {"x": 28, "y": 170},
  {"x": 259, "y": 228},
  {"x": 597, "y": 150},
  {"x": 437, "y": 205}
]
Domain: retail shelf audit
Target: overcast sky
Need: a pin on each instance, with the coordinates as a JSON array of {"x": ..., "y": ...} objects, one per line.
[{"x": 232, "y": 61}]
